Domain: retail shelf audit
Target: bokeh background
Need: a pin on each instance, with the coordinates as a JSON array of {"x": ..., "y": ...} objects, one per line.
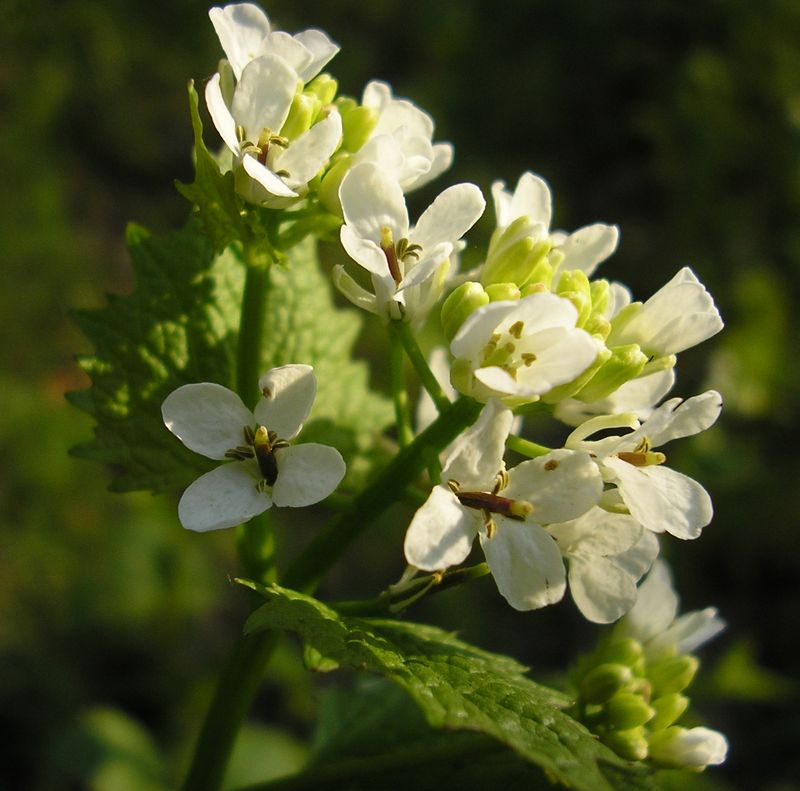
[{"x": 678, "y": 121}]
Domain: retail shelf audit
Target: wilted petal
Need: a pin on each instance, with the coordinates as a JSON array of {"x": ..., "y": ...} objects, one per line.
[
  {"x": 206, "y": 417},
  {"x": 526, "y": 564},
  {"x": 288, "y": 394},
  {"x": 441, "y": 533},
  {"x": 224, "y": 497},
  {"x": 307, "y": 474}
]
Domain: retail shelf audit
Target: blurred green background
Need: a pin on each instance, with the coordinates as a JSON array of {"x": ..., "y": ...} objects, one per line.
[{"x": 678, "y": 121}]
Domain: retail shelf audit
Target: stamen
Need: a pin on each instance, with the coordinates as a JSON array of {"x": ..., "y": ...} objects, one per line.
[
  {"x": 515, "y": 330},
  {"x": 492, "y": 503},
  {"x": 387, "y": 245}
]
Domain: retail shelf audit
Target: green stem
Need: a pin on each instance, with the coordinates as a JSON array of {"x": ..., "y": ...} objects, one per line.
[
  {"x": 397, "y": 362},
  {"x": 526, "y": 447},
  {"x": 377, "y": 768},
  {"x": 255, "y": 543},
  {"x": 251, "y": 327},
  {"x": 387, "y": 487},
  {"x": 402, "y": 329}
]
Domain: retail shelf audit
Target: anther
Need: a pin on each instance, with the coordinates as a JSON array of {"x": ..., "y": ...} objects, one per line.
[{"x": 515, "y": 330}]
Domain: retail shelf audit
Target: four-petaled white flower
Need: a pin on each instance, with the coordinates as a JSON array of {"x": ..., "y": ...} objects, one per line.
[
  {"x": 506, "y": 509},
  {"x": 408, "y": 265},
  {"x": 245, "y": 33},
  {"x": 264, "y": 468},
  {"x": 401, "y": 143},
  {"x": 584, "y": 249},
  {"x": 270, "y": 169},
  {"x": 520, "y": 349},
  {"x": 607, "y": 553},
  {"x": 679, "y": 315},
  {"x": 660, "y": 498}
]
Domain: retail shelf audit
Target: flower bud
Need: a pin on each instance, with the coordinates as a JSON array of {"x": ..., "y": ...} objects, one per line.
[
  {"x": 598, "y": 326},
  {"x": 672, "y": 674},
  {"x": 461, "y": 376},
  {"x": 302, "y": 113},
  {"x": 688, "y": 748},
  {"x": 625, "y": 652},
  {"x": 324, "y": 87},
  {"x": 499, "y": 292},
  {"x": 629, "y": 744},
  {"x": 516, "y": 255},
  {"x": 600, "y": 293},
  {"x": 603, "y": 681},
  {"x": 357, "y": 124},
  {"x": 625, "y": 363},
  {"x": 626, "y": 710},
  {"x": 574, "y": 286},
  {"x": 468, "y": 297},
  {"x": 668, "y": 708},
  {"x": 328, "y": 190}
]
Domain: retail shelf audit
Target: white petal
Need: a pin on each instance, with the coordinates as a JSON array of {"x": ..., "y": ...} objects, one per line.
[
  {"x": 663, "y": 499},
  {"x": 442, "y": 159},
  {"x": 288, "y": 394},
  {"x": 691, "y": 417},
  {"x": 655, "y": 608},
  {"x": 543, "y": 311},
  {"x": 356, "y": 293},
  {"x": 588, "y": 247},
  {"x": 475, "y": 332},
  {"x": 602, "y": 591},
  {"x": 322, "y": 51},
  {"x": 365, "y": 252},
  {"x": 371, "y": 201},
  {"x": 273, "y": 184},
  {"x": 597, "y": 532},
  {"x": 284, "y": 46},
  {"x": 306, "y": 474},
  {"x": 688, "y": 748},
  {"x": 220, "y": 114},
  {"x": 450, "y": 216},
  {"x": 531, "y": 199},
  {"x": 224, "y": 497},
  {"x": 477, "y": 455},
  {"x": 526, "y": 564},
  {"x": 207, "y": 418},
  {"x": 421, "y": 271},
  {"x": 307, "y": 155},
  {"x": 500, "y": 383},
  {"x": 241, "y": 28},
  {"x": 562, "y": 485},
  {"x": 441, "y": 533},
  {"x": 263, "y": 96},
  {"x": 640, "y": 557},
  {"x": 562, "y": 354},
  {"x": 689, "y": 631}
]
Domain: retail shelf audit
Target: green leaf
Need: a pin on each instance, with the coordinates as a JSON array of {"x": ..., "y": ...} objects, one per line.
[
  {"x": 180, "y": 325},
  {"x": 457, "y": 686}
]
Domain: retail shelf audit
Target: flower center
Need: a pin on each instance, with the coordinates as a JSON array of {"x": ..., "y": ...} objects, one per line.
[
  {"x": 492, "y": 503},
  {"x": 261, "y": 149},
  {"x": 397, "y": 254},
  {"x": 501, "y": 351},
  {"x": 261, "y": 444}
]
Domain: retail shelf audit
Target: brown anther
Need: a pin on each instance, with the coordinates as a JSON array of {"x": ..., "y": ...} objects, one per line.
[
  {"x": 528, "y": 358},
  {"x": 490, "y": 525},
  {"x": 515, "y": 330},
  {"x": 551, "y": 465}
]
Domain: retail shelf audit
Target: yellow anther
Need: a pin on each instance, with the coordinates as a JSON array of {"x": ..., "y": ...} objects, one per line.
[{"x": 515, "y": 330}]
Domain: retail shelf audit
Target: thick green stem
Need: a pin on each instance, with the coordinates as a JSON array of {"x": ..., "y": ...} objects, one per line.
[
  {"x": 397, "y": 362},
  {"x": 526, "y": 447},
  {"x": 251, "y": 327},
  {"x": 256, "y": 547},
  {"x": 402, "y": 329},
  {"x": 387, "y": 487}
]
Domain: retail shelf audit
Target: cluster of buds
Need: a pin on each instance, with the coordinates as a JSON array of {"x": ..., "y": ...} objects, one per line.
[{"x": 631, "y": 689}]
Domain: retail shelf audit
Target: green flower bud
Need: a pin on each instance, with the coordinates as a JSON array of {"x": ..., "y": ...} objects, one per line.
[
  {"x": 598, "y": 326},
  {"x": 510, "y": 265},
  {"x": 357, "y": 125},
  {"x": 603, "y": 681},
  {"x": 324, "y": 87},
  {"x": 502, "y": 291},
  {"x": 687, "y": 748},
  {"x": 672, "y": 674},
  {"x": 570, "y": 388},
  {"x": 624, "y": 652},
  {"x": 660, "y": 364},
  {"x": 626, "y": 710},
  {"x": 599, "y": 290},
  {"x": 624, "y": 364},
  {"x": 461, "y": 376},
  {"x": 574, "y": 286},
  {"x": 625, "y": 315},
  {"x": 302, "y": 113},
  {"x": 516, "y": 256},
  {"x": 329, "y": 188},
  {"x": 468, "y": 297},
  {"x": 668, "y": 708},
  {"x": 629, "y": 744}
]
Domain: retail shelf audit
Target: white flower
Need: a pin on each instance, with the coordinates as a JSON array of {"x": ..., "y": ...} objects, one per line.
[
  {"x": 408, "y": 265},
  {"x": 401, "y": 142},
  {"x": 688, "y": 748},
  {"x": 245, "y": 34},
  {"x": 521, "y": 349},
  {"x": 607, "y": 553},
  {"x": 584, "y": 249},
  {"x": 265, "y": 470},
  {"x": 655, "y": 623},
  {"x": 661, "y": 499},
  {"x": 269, "y": 168},
  {"x": 638, "y": 396},
  {"x": 505, "y": 509},
  {"x": 679, "y": 315}
]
